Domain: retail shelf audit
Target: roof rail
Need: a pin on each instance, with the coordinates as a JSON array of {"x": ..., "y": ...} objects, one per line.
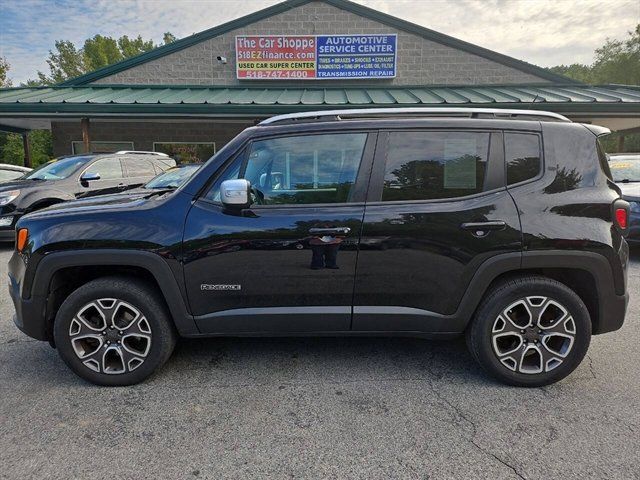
[
  {"x": 140, "y": 152},
  {"x": 355, "y": 113}
]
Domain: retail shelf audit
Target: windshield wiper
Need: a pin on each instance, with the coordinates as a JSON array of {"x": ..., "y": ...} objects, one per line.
[{"x": 626, "y": 180}]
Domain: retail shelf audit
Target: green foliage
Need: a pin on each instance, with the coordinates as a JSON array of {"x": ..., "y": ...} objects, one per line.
[
  {"x": 576, "y": 71},
  {"x": 4, "y": 68},
  {"x": 68, "y": 61},
  {"x": 168, "y": 38},
  {"x": 100, "y": 51},
  {"x": 610, "y": 143},
  {"x": 617, "y": 61},
  {"x": 40, "y": 144}
]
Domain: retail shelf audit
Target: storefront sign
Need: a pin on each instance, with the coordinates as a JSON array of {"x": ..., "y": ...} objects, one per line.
[{"x": 308, "y": 57}]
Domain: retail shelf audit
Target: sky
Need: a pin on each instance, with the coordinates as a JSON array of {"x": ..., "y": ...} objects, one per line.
[{"x": 542, "y": 32}]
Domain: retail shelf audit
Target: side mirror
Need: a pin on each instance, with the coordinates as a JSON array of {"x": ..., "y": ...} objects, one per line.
[
  {"x": 236, "y": 193},
  {"x": 89, "y": 177}
]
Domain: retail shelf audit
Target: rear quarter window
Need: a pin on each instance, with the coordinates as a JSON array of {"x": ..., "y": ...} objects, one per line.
[{"x": 523, "y": 156}]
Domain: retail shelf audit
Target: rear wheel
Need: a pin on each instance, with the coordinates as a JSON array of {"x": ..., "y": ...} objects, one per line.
[
  {"x": 530, "y": 331},
  {"x": 114, "y": 331}
]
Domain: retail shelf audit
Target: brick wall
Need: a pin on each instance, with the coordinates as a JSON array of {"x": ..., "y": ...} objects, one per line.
[
  {"x": 143, "y": 134},
  {"x": 419, "y": 61}
]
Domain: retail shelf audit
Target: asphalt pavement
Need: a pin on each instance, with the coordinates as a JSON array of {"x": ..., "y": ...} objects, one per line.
[{"x": 320, "y": 408}]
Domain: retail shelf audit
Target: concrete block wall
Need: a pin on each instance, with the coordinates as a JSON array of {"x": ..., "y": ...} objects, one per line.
[
  {"x": 144, "y": 133},
  {"x": 419, "y": 61}
]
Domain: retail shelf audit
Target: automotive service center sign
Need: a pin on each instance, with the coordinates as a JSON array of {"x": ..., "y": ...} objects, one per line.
[{"x": 315, "y": 57}]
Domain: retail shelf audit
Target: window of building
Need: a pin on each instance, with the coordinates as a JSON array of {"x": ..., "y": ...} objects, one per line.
[
  {"x": 108, "y": 168},
  {"x": 299, "y": 169},
  {"x": 522, "y": 154},
  {"x": 187, "y": 152},
  {"x": 435, "y": 165},
  {"x": 101, "y": 147}
]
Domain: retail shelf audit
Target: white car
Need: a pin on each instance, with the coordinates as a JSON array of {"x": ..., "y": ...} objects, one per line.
[{"x": 11, "y": 172}]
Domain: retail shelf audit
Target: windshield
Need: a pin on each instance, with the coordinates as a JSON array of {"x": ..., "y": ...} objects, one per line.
[
  {"x": 625, "y": 169},
  {"x": 172, "y": 178},
  {"x": 57, "y": 169}
]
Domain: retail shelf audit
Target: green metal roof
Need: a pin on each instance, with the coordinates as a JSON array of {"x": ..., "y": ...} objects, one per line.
[
  {"x": 178, "y": 100},
  {"x": 346, "y": 5}
]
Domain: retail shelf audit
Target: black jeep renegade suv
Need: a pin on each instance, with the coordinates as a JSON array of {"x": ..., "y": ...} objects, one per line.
[{"x": 501, "y": 225}]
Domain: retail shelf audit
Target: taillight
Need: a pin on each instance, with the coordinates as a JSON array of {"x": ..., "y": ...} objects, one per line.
[
  {"x": 622, "y": 218},
  {"x": 21, "y": 239},
  {"x": 621, "y": 215}
]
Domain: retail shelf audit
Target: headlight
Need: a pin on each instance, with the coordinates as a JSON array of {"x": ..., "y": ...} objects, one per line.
[
  {"x": 8, "y": 197},
  {"x": 634, "y": 207}
]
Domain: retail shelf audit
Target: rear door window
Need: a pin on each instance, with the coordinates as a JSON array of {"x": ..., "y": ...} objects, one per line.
[
  {"x": 431, "y": 165},
  {"x": 139, "y": 167}
]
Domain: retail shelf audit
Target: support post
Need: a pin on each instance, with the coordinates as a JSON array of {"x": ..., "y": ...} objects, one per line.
[
  {"x": 620, "y": 143},
  {"x": 27, "y": 151},
  {"x": 86, "y": 138}
]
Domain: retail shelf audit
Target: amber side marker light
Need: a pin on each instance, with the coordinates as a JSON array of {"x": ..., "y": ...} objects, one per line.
[{"x": 21, "y": 239}]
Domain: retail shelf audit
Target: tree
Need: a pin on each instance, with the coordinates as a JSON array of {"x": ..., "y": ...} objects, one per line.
[
  {"x": 4, "y": 68},
  {"x": 40, "y": 146},
  {"x": 67, "y": 60},
  {"x": 617, "y": 61}
]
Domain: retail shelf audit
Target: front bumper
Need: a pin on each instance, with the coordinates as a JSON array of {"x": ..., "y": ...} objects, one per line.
[{"x": 30, "y": 312}]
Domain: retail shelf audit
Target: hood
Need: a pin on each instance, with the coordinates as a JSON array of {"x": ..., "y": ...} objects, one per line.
[
  {"x": 134, "y": 199},
  {"x": 630, "y": 191},
  {"x": 18, "y": 184}
]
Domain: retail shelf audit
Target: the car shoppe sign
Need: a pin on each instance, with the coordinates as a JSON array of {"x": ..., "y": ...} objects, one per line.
[{"x": 313, "y": 57}]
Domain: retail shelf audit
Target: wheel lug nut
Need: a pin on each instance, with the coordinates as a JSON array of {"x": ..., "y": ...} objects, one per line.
[{"x": 521, "y": 331}]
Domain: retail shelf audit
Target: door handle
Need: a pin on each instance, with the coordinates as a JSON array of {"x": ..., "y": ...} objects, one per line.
[
  {"x": 482, "y": 229},
  {"x": 330, "y": 231}
]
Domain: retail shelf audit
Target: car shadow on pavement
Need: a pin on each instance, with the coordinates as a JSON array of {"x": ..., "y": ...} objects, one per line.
[{"x": 307, "y": 360}]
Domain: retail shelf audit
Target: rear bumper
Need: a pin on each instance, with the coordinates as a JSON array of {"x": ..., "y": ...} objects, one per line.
[
  {"x": 7, "y": 234},
  {"x": 612, "y": 312}
]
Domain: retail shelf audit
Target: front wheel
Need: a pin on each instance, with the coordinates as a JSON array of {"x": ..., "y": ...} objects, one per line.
[
  {"x": 530, "y": 331},
  {"x": 114, "y": 331}
]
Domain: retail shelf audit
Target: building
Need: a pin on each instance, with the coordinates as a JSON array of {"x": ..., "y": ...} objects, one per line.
[{"x": 192, "y": 96}]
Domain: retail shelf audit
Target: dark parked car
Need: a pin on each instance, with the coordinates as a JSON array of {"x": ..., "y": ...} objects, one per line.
[
  {"x": 76, "y": 176},
  {"x": 488, "y": 231},
  {"x": 625, "y": 168},
  {"x": 11, "y": 172}
]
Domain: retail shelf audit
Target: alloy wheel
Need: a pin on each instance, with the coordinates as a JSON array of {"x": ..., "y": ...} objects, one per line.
[
  {"x": 110, "y": 336},
  {"x": 533, "y": 335}
]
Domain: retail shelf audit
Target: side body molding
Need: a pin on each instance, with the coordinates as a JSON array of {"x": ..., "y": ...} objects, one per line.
[{"x": 151, "y": 262}]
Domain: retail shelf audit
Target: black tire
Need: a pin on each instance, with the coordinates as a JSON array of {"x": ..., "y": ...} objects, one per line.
[
  {"x": 129, "y": 295},
  {"x": 486, "y": 324}
]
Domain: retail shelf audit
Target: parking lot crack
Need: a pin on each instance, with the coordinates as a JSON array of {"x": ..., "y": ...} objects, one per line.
[
  {"x": 474, "y": 430},
  {"x": 591, "y": 367}
]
